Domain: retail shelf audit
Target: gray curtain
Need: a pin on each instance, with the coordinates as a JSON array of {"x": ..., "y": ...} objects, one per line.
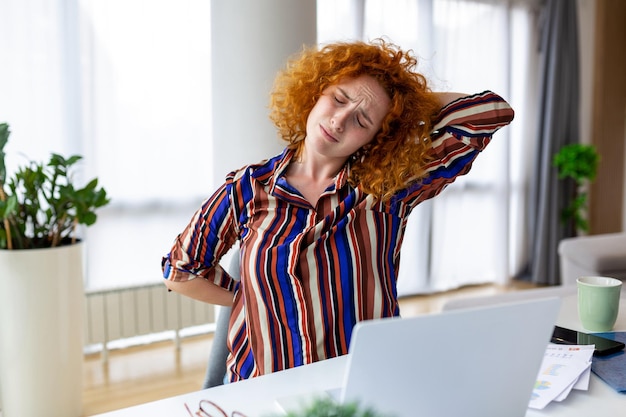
[{"x": 558, "y": 125}]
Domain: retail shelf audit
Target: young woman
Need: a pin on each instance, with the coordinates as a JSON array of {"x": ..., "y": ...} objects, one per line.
[{"x": 320, "y": 226}]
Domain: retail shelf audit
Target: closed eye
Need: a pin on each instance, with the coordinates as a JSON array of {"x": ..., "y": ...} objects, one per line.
[{"x": 339, "y": 100}]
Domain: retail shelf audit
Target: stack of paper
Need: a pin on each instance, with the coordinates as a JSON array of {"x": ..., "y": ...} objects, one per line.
[{"x": 564, "y": 367}]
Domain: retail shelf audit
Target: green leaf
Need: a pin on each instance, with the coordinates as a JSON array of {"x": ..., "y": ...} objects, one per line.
[
  {"x": 580, "y": 163},
  {"x": 577, "y": 161},
  {"x": 4, "y": 135},
  {"x": 323, "y": 407},
  {"x": 89, "y": 218},
  {"x": 4, "y": 139},
  {"x": 10, "y": 207}
]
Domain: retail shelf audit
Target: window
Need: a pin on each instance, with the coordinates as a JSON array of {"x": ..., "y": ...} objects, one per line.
[
  {"x": 146, "y": 71},
  {"x": 466, "y": 235},
  {"x": 126, "y": 83}
]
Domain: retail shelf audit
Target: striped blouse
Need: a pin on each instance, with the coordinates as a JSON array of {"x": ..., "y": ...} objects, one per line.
[{"x": 308, "y": 274}]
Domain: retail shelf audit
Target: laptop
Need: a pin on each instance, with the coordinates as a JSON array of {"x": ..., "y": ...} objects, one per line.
[{"x": 480, "y": 361}]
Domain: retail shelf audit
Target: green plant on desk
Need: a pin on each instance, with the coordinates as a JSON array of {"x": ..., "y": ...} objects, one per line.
[{"x": 329, "y": 408}]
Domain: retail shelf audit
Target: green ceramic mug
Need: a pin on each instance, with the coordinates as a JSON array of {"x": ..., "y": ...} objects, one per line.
[{"x": 598, "y": 302}]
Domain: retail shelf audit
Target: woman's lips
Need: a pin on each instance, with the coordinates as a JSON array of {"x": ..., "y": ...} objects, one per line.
[{"x": 327, "y": 134}]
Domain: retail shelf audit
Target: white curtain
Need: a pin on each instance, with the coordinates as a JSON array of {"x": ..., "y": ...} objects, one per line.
[
  {"x": 35, "y": 86},
  {"x": 126, "y": 83},
  {"x": 469, "y": 234},
  {"x": 147, "y": 97}
]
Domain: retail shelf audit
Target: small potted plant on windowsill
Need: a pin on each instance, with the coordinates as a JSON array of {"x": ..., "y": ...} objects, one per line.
[{"x": 41, "y": 284}]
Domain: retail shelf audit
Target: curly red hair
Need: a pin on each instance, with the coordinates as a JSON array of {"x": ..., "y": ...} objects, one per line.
[{"x": 398, "y": 152}]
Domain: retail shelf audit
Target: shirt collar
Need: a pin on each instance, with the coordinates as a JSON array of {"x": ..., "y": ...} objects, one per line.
[{"x": 280, "y": 164}]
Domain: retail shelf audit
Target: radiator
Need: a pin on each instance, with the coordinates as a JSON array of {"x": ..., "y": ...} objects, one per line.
[{"x": 127, "y": 313}]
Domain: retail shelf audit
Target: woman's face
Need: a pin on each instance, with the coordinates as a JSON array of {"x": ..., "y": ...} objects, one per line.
[{"x": 347, "y": 116}]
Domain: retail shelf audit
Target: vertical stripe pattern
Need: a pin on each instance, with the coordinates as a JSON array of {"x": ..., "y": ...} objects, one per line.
[{"x": 308, "y": 274}]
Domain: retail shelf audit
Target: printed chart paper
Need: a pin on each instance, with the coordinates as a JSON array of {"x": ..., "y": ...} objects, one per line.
[{"x": 564, "y": 367}]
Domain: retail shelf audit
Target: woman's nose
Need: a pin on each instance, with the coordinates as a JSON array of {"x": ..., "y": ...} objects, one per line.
[{"x": 338, "y": 120}]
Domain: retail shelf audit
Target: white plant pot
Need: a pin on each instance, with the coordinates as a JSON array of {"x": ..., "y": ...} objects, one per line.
[{"x": 41, "y": 330}]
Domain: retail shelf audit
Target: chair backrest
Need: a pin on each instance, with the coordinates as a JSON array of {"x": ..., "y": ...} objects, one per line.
[
  {"x": 216, "y": 369},
  {"x": 508, "y": 297},
  {"x": 234, "y": 266}
]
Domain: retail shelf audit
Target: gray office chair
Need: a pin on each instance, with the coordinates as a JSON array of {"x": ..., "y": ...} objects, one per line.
[{"x": 216, "y": 369}]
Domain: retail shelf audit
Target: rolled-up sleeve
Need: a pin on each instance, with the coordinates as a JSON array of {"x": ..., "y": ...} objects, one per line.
[
  {"x": 461, "y": 131},
  {"x": 470, "y": 120},
  {"x": 208, "y": 236}
]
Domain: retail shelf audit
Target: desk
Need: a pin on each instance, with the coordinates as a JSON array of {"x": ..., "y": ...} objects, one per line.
[
  {"x": 600, "y": 399},
  {"x": 256, "y": 397}
]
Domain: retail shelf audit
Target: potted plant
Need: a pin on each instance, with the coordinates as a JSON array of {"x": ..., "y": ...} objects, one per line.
[
  {"x": 578, "y": 163},
  {"x": 42, "y": 207},
  {"x": 324, "y": 407},
  {"x": 41, "y": 284}
]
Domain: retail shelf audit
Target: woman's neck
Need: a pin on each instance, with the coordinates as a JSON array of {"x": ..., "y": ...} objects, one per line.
[{"x": 311, "y": 176}]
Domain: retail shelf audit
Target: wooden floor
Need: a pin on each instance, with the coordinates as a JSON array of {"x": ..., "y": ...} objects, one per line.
[{"x": 141, "y": 374}]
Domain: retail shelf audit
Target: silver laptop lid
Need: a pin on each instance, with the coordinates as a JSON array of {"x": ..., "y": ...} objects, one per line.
[{"x": 471, "y": 362}]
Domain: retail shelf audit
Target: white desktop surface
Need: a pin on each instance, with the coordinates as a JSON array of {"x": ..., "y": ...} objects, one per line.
[
  {"x": 600, "y": 399},
  {"x": 256, "y": 397}
]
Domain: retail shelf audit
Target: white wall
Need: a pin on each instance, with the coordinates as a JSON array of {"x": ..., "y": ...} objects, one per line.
[{"x": 251, "y": 41}]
